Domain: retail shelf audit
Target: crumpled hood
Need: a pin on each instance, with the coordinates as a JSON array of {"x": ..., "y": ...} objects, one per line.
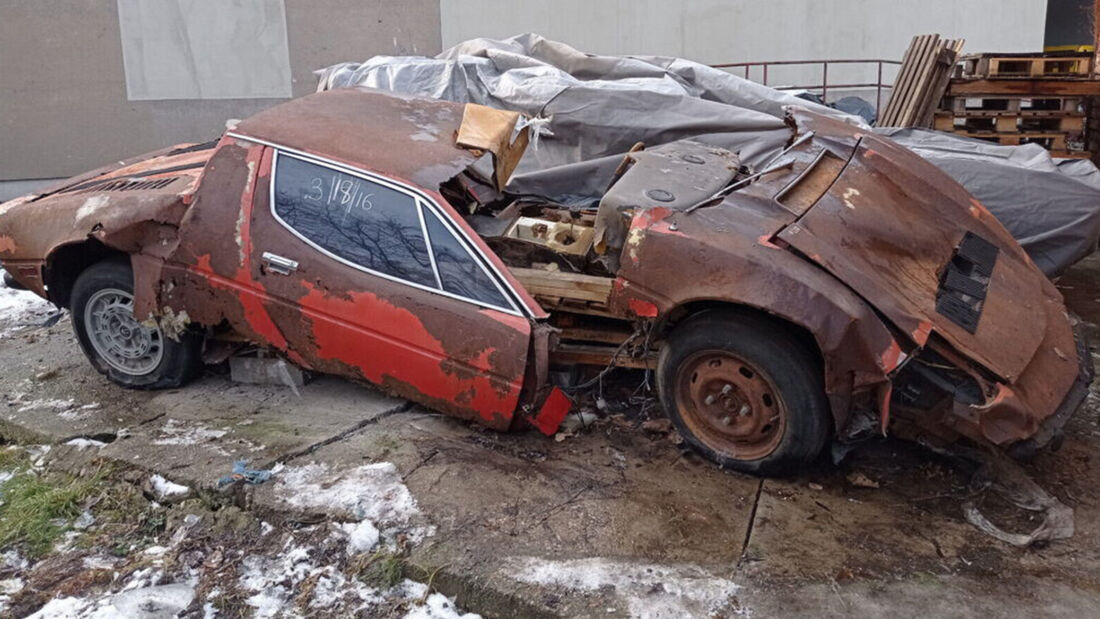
[{"x": 924, "y": 253}]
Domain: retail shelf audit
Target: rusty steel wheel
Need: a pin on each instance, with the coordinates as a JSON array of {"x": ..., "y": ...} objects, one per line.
[
  {"x": 744, "y": 391},
  {"x": 730, "y": 404}
]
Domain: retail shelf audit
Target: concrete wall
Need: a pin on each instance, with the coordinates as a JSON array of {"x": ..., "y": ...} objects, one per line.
[
  {"x": 63, "y": 100},
  {"x": 63, "y": 97},
  {"x": 718, "y": 31}
]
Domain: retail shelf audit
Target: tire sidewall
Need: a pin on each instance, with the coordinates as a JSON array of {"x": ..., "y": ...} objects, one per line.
[
  {"x": 782, "y": 359},
  {"x": 180, "y": 356}
]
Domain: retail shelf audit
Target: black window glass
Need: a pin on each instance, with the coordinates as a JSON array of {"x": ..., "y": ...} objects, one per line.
[
  {"x": 458, "y": 270},
  {"x": 362, "y": 222}
]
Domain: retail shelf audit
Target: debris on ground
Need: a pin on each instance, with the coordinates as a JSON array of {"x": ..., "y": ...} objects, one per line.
[
  {"x": 860, "y": 480},
  {"x": 1011, "y": 482},
  {"x": 241, "y": 472}
]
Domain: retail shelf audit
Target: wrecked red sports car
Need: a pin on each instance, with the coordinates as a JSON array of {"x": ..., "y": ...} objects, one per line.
[{"x": 846, "y": 288}]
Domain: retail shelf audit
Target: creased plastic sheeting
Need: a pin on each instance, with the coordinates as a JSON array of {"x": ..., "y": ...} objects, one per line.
[
  {"x": 599, "y": 106},
  {"x": 1051, "y": 206}
]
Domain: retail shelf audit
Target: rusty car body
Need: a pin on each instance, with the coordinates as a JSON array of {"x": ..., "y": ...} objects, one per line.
[{"x": 898, "y": 301}]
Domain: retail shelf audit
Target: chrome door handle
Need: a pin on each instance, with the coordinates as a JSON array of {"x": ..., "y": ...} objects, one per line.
[{"x": 278, "y": 264}]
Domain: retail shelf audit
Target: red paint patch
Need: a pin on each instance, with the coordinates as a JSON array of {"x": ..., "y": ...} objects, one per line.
[
  {"x": 552, "y": 413},
  {"x": 642, "y": 308},
  {"x": 920, "y": 335},
  {"x": 398, "y": 347},
  {"x": 891, "y": 357},
  {"x": 766, "y": 241},
  {"x": 250, "y": 295}
]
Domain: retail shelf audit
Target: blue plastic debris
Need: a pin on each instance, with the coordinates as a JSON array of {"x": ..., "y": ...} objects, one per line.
[{"x": 242, "y": 472}]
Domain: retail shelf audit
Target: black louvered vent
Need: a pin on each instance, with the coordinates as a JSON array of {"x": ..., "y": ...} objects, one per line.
[
  {"x": 120, "y": 184},
  {"x": 965, "y": 281}
]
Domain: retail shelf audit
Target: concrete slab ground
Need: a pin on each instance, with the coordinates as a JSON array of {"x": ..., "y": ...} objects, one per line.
[{"x": 612, "y": 521}]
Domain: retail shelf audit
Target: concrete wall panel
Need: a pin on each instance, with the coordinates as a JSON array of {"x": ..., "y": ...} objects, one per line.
[{"x": 63, "y": 102}]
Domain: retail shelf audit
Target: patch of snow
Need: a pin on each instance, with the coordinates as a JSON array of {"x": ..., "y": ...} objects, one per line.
[
  {"x": 12, "y": 560},
  {"x": 21, "y": 307},
  {"x": 56, "y": 404},
  {"x": 85, "y": 520},
  {"x": 436, "y": 606},
  {"x": 163, "y": 488},
  {"x": 100, "y": 562},
  {"x": 8, "y": 588},
  {"x": 84, "y": 443},
  {"x": 650, "y": 591},
  {"x": 63, "y": 608},
  {"x": 176, "y": 433},
  {"x": 80, "y": 412},
  {"x": 6, "y": 476},
  {"x": 372, "y": 492},
  {"x": 37, "y": 454},
  {"x": 362, "y": 536},
  {"x": 153, "y": 602}
]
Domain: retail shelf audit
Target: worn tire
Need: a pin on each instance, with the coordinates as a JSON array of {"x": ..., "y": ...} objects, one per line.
[
  {"x": 778, "y": 361},
  {"x": 179, "y": 360}
]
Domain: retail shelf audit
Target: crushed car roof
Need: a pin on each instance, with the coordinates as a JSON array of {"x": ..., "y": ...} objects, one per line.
[{"x": 410, "y": 138}]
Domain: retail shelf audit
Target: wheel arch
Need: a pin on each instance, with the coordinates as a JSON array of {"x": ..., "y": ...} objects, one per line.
[
  {"x": 688, "y": 310},
  {"x": 66, "y": 262}
]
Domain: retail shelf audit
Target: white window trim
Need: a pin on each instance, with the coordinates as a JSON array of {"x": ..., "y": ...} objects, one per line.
[{"x": 420, "y": 200}]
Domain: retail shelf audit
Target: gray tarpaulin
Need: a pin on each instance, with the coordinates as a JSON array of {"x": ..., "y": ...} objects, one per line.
[
  {"x": 597, "y": 107},
  {"x": 1051, "y": 206}
]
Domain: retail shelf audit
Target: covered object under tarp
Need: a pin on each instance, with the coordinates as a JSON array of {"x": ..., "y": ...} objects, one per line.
[{"x": 590, "y": 110}]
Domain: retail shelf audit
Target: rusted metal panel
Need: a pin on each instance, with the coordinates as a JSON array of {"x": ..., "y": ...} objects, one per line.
[
  {"x": 409, "y": 139},
  {"x": 889, "y": 226}
]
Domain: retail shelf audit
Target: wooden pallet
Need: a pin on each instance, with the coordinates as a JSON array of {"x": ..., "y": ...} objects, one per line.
[
  {"x": 1028, "y": 88},
  {"x": 1031, "y": 66},
  {"x": 1052, "y": 141},
  {"x": 1011, "y": 104},
  {"x": 1010, "y": 122}
]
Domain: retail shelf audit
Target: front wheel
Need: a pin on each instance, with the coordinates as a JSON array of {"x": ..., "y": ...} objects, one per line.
[
  {"x": 130, "y": 353},
  {"x": 744, "y": 392}
]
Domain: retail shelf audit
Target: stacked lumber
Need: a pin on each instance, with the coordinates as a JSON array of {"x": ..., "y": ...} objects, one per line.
[
  {"x": 921, "y": 81},
  {"x": 574, "y": 292},
  {"x": 1021, "y": 99}
]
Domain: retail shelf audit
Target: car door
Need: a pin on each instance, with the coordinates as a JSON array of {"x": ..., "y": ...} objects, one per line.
[{"x": 372, "y": 278}]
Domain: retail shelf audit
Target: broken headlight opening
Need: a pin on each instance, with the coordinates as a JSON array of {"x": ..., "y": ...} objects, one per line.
[{"x": 928, "y": 378}]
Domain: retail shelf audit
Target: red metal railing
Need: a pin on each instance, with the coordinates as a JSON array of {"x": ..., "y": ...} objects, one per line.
[{"x": 824, "y": 86}]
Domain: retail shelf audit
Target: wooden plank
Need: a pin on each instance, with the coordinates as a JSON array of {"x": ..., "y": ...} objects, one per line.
[
  {"x": 557, "y": 284},
  {"x": 601, "y": 356},
  {"x": 904, "y": 81},
  {"x": 1005, "y": 123},
  {"x": 927, "y": 66},
  {"x": 941, "y": 78},
  {"x": 588, "y": 334},
  {"x": 1028, "y": 88},
  {"x": 920, "y": 69}
]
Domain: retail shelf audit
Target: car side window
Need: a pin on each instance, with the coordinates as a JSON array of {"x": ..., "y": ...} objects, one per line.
[
  {"x": 354, "y": 219},
  {"x": 459, "y": 272}
]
